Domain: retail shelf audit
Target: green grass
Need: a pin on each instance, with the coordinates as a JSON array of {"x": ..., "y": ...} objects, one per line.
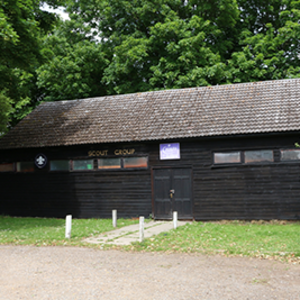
[
  {"x": 271, "y": 240},
  {"x": 51, "y": 232},
  {"x": 278, "y": 240}
]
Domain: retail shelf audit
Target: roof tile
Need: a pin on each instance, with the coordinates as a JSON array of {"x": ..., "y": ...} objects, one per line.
[{"x": 270, "y": 106}]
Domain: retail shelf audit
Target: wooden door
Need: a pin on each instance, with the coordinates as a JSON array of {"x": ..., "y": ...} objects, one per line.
[{"x": 172, "y": 192}]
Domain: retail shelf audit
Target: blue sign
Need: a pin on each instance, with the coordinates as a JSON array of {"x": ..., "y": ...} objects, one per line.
[{"x": 169, "y": 151}]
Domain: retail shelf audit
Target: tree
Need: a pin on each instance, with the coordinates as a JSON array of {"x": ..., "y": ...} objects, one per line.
[
  {"x": 176, "y": 43},
  {"x": 5, "y": 110},
  {"x": 74, "y": 67},
  {"x": 161, "y": 43},
  {"x": 270, "y": 42},
  {"x": 21, "y": 25},
  {"x": 122, "y": 46}
]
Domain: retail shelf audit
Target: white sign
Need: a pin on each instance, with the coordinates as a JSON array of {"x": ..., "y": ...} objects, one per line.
[
  {"x": 40, "y": 161},
  {"x": 169, "y": 151}
]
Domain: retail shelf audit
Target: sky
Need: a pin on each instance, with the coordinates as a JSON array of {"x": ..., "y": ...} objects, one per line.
[{"x": 59, "y": 11}]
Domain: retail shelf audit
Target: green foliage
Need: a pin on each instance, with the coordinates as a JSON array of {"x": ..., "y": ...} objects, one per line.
[
  {"x": 121, "y": 46},
  {"x": 269, "y": 40},
  {"x": 21, "y": 25},
  {"x": 5, "y": 110},
  {"x": 73, "y": 69},
  {"x": 160, "y": 44},
  {"x": 163, "y": 44}
]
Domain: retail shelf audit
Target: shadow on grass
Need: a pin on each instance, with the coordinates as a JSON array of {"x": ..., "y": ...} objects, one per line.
[{"x": 14, "y": 224}]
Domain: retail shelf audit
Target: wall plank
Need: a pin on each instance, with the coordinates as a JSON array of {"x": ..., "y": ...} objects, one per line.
[{"x": 257, "y": 191}]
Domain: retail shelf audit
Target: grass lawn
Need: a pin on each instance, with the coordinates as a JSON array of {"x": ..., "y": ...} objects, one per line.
[
  {"x": 278, "y": 240},
  {"x": 271, "y": 240},
  {"x": 51, "y": 232}
]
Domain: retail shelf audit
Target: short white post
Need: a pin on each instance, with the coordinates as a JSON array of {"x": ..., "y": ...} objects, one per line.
[
  {"x": 114, "y": 218},
  {"x": 175, "y": 218},
  {"x": 68, "y": 226},
  {"x": 142, "y": 221}
]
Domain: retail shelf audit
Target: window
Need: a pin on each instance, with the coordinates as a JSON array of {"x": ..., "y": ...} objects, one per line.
[
  {"x": 25, "y": 166},
  {"x": 109, "y": 163},
  {"x": 7, "y": 167},
  {"x": 290, "y": 154},
  {"x": 135, "y": 162},
  {"x": 258, "y": 156},
  {"x": 84, "y": 164},
  {"x": 227, "y": 157},
  {"x": 59, "y": 165}
]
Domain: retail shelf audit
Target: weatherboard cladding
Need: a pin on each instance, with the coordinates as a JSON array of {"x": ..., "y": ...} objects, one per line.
[{"x": 258, "y": 107}]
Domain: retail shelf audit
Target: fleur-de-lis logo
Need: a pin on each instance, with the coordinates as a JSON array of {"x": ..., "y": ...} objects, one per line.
[{"x": 40, "y": 161}]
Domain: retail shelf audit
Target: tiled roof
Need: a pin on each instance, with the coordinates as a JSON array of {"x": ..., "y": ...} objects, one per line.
[{"x": 258, "y": 107}]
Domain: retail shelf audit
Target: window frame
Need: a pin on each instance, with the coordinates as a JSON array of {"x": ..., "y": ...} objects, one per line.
[
  {"x": 96, "y": 164},
  {"x": 226, "y": 163},
  {"x": 122, "y": 168},
  {"x": 20, "y": 171},
  {"x": 135, "y": 168},
  {"x": 258, "y": 162},
  {"x": 83, "y": 170},
  {"x": 69, "y": 162},
  {"x": 289, "y": 160},
  {"x": 242, "y": 158},
  {"x": 109, "y": 169},
  {"x": 10, "y": 171}
]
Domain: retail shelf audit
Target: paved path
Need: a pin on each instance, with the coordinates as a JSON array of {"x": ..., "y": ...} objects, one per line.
[{"x": 128, "y": 234}]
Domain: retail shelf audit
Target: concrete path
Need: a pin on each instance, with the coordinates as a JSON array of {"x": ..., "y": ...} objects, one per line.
[{"x": 128, "y": 234}]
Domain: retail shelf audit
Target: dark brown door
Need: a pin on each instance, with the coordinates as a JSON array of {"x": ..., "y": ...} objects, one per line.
[{"x": 172, "y": 192}]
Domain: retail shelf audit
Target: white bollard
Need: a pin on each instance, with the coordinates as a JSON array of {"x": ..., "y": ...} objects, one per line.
[
  {"x": 142, "y": 221},
  {"x": 175, "y": 218},
  {"x": 68, "y": 226},
  {"x": 114, "y": 218}
]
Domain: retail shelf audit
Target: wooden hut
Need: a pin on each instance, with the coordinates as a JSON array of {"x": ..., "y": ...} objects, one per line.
[{"x": 217, "y": 152}]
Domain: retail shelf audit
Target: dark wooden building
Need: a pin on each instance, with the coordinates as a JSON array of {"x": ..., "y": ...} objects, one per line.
[{"x": 221, "y": 152}]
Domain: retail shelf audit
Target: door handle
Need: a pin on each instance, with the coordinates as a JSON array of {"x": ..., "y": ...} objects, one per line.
[{"x": 172, "y": 192}]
